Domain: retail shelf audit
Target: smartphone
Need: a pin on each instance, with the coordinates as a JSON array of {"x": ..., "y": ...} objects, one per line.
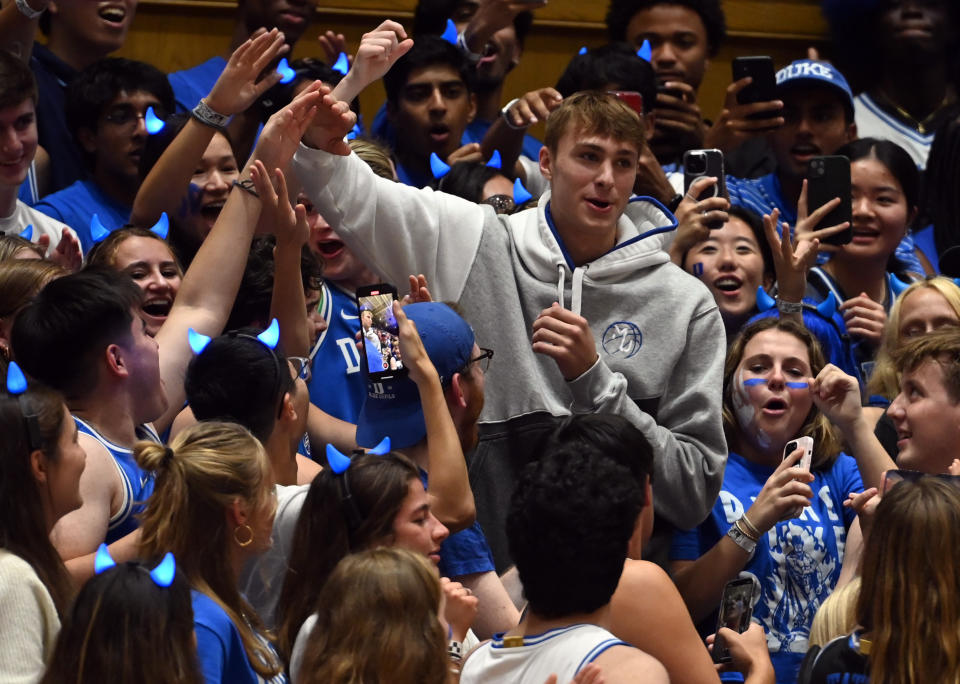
[
  {"x": 672, "y": 92},
  {"x": 736, "y": 609},
  {"x": 379, "y": 332},
  {"x": 805, "y": 443},
  {"x": 632, "y": 98},
  {"x": 697, "y": 163},
  {"x": 829, "y": 177},
  {"x": 764, "y": 85}
]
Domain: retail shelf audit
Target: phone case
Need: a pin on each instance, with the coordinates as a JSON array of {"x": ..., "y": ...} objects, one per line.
[
  {"x": 829, "y": 177},
  {"x": 764, "y": 85},
  {"x": 697, "y": 163}
]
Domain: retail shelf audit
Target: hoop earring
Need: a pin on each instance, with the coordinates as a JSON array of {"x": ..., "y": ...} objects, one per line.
[{"x": 249, "y": 539}]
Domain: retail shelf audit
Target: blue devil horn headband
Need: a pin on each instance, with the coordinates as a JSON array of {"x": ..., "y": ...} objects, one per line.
[
  {"x": 342, "y": 65},
  {"x": 271, "y": 335},
  {"x": 828, "y": 306},
  {"x": 438, "y": 167},
  {"x": 338, "y": 461},
  {"x": 164, "y": 573},
  {"x": 382, "y": 448},
  {"x": 450, "y": 33},
  {"x": 197, "y": 341},
  {"x": 582, "y": 50},
  {"x": 153, "y": 122},
  {"x": 286, "y": 72},
  {"x": 16, "y": 380},
  {"x": 97, "y": 231},
  {"x": 27, "y": 233},
  {"x": 520, "y": 193},
  {"x": 162, "y": 227},
  {"x": 645, "y": 52},
  {"x": 495, "y": 161},
  {"x": 102, "y": 561}
]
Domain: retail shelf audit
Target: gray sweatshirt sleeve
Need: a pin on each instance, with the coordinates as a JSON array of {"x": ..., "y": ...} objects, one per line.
[
  {"x": 687, "y": 434},
  {"x": 395, "y": 229}
]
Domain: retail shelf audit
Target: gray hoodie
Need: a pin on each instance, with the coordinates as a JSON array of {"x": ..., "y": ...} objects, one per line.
[{"x": 659, "y": 336}]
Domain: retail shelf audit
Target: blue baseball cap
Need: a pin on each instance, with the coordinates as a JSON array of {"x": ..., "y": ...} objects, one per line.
[
  {"x": 811, "y": 72},
  {"x": 392, "y": 408}
]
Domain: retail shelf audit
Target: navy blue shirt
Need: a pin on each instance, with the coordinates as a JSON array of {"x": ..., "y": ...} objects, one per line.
[{"x": 77, "y": 204}]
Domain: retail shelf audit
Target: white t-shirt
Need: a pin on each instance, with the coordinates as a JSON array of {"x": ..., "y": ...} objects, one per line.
[{"x": 24, "y": 216}]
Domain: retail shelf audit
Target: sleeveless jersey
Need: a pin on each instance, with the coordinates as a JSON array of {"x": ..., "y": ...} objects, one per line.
[{"x": 137, "y": 483}]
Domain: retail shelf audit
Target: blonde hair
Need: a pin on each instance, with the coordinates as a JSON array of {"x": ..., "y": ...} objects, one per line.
[
  {"x": 826, "y": 441},
  {"x": 837, "y": 614},
  {"x": 375, "y": 155},
  {"x": 885, "y": 379},
  {"x": 205, "y": 470},
  {"x": 909, "y": 602},
  {"x": 377, "y": 623},
  {"x": 21, "y": 280},
  {"x": 594, "y": 112}
]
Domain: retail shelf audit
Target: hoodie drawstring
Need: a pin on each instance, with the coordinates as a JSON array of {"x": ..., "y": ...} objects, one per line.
[{"x": 576, "y": 287}]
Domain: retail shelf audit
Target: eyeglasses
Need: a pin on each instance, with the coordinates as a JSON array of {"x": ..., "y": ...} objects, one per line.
[
  {"x": 502, "y": 204},
  {"x": 483, "y": 360},
  {"x": 301, "y": 366},
  {"x": 124, "y": 115},
  {"x": 894, "y": 477}
]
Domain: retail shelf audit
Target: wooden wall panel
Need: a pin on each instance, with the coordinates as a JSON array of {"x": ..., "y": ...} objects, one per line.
[{"x": 174, "y": 34}]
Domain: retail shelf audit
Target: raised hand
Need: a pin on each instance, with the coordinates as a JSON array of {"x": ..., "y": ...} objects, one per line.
[
  {"x": 807, "y": 221},
  {"x": 491, "y": 16},
  {"x": 533, "y": 106},
  {"x": 784, "y": 493},
  {"x": 864, "y": 318},
  {"x": 679, "y": 114},
  {"x": 460, "y": 606},
  {"x": 695, "y": 217},
  {"x": 470, "y": 152},
  {"x": 67, "y": 253},
  {"x": 792, "y": 259},
  {"x": 238, "y": 86},
  {"x": 333, "y": 44},
  {"x": 838, "y": 396},
  {"x": 418, "y": 291},
  {"x": 282, "y": 134},
  {"x": 734, "y": 125},
  {"x": 287, "y": 223},
  {"x": 567, "y": 339},
  {"x": 331, "y": 121},
  {"x": 379, "y": 50}
]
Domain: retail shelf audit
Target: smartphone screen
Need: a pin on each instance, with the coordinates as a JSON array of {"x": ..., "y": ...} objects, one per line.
[
  {"x": 736, "y": 609},
  {"x": 829, "y": 177},
  {"x": 378, "y": 330}
]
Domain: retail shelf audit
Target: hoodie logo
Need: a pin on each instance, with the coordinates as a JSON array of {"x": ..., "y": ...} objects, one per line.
[{"x": 622, "y": 339}]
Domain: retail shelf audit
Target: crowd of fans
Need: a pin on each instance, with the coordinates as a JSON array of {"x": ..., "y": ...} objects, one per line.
[{"x": 695, "y": 384}]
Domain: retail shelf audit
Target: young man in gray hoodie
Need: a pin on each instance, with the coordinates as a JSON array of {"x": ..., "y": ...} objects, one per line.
[{"x": 578, "y": 293}]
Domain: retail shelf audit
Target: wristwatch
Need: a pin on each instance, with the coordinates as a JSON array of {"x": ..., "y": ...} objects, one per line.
[{"x": 741, "y": 539}]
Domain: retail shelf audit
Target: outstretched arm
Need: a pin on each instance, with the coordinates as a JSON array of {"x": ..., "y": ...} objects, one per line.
[
  {"x": 378, "y": 51},
  {"x": 235, "y": 89},
  {"x": 211, "y": 283}
]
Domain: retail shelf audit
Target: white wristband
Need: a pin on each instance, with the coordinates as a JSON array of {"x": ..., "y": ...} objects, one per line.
[
  {"x": 506, "y": 117},
  {"x": 27, "y": 11}
]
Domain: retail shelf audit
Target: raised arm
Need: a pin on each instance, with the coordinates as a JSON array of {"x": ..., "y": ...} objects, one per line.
[
  {"x": 452, "y": 499},
  {"x": 235, "y": 90},
  {"x": 211, "y": 283},
  {"x": 17, "y": 30},
  {"x": 378, "y": 51}
]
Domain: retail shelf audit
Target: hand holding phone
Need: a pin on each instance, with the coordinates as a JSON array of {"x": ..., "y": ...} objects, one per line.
[
  {"x": 736, "y": 610},
  {"x": 806, "y": 444},
  {"x": 705, "y": 163},
  {"x": 379, "y": 332},
  {"x": 763, "y": 86}
]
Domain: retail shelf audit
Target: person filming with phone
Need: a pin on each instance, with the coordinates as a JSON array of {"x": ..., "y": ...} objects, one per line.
[{"x": 777, "y": 522}]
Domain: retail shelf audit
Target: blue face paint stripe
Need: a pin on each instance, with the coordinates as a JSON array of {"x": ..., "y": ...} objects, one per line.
[
  {"x": 698, "y": 269},
  {"x": 797, "y": 385},
  {"x": 754, "y": 381}
]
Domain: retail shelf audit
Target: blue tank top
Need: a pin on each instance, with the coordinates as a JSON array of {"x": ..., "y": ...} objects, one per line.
[{"x": 137, "y": 483}]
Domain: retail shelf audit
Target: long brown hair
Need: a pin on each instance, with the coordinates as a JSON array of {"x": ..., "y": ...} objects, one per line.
[
  {"x": 826, "y": 442},
  {"x": 324, "y": 534},
  {"x": 23, "y": 529},
  {"x": 377, "y": 623},
  {"x": 909, "y": 600},
  {"x": 207, "y": 467}
]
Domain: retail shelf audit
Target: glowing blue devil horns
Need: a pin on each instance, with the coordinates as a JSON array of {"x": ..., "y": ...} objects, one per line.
[
  {"x": 342, "y": 65},
  {"x": 16, "y": 380},
  {"x": 162, "y": 227},
  {"x": 153, "y": 122},
  {"x": 97, "y": 230},
  {"x": 450, "y": 32},
  {"x": 582, "y": 50},
  {"x": 764, "y": 301},
  {"x": 438, "y": 167},
  {"x": 162, "y": 575},
  {"x": 286, "y": 72},
  {"x": 197, "y": 341},
  {"x": 271, "y": 335},
  {"x": 339, "y": 461},
  {"x": 520, "y": 193},
  {"x": 495, "y": 161},
  {"x": 645, "y": 52},
  {"x": 27, "y": 233}
]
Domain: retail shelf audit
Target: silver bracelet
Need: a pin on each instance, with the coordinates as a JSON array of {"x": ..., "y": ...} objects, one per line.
[
  {"x": 470, "y": 55},
  {"x": 27, "y": 11},
  {"x": 207, "y": 116},
  {"x": 506, "y": 117},
  {"x": 785, "y": 307}
]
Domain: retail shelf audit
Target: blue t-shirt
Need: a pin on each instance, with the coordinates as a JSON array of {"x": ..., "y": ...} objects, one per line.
[
  {"x": 223, "y": 660},
  {"x": 762, "y": 195},
  {"x": 797, "y": 562},
  {"x": 465, "y": 552},
  {"x": 137, "y": 483},
  {"x": 77, "y": 204},
  {"x": 190, "y": 85},
  {"x": 925, "y": 242},
  {"x": 337, "y": 385}
]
